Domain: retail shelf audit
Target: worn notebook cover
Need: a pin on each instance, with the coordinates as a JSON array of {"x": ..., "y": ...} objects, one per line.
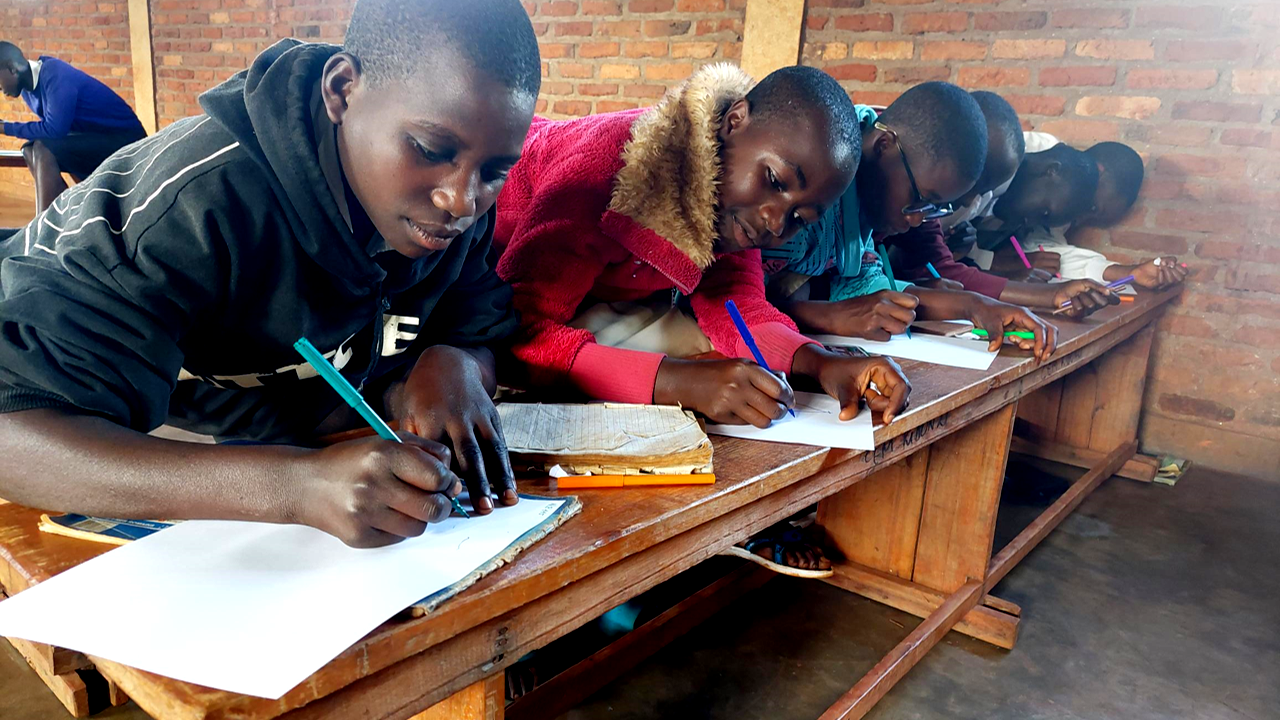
[
  {"x": 113, "y": 531},
  {"x": 606, "y": 438}
]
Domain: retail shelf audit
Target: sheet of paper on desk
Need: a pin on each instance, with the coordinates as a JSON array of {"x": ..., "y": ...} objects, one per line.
[
  {"x": 253, "y": 608},
  {"x": 817, "y": 422},
  {"x": 953, "y": 352}
]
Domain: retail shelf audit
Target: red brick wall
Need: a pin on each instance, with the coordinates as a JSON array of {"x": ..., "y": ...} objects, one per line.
[
  {"x": 93, "y": 36},
  {"x": 1193, "y": 85},
  {"x": 605, "y": 55},
  {"x": 200, "y": 43},
  {"x": 599, "y": 55}
]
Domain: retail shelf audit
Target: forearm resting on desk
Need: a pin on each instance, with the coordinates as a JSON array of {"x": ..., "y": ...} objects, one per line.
[
  {"x": 58, "y": 460},
  {"x": 1029, "y": 294}
]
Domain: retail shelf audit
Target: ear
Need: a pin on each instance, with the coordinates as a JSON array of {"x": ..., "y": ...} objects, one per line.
[
  {"x": 735, "y": 119},
  {"x": 341, "y": 77},
  {"x": 1053, "y": 168},
  {"x": 882, "y": 143}
]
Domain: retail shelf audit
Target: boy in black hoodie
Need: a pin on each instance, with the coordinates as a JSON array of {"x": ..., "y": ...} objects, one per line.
[{"x": 344, "y": 194}]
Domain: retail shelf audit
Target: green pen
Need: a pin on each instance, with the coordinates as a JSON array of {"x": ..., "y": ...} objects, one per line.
[
  {"x": 1024, "y": 334},
  {"x": 354, "y": 399}
]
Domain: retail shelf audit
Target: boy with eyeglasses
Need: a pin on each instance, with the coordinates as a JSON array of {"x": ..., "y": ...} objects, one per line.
[{"x": 924, "y": 151}]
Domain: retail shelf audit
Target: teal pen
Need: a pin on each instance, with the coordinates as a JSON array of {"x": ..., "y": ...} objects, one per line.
[
  {"x": 932, "y": 271},
  {"x": 888, "y": 272},
  {"x": 354, "y": 399},
  {"x": 1024, "y": 334}
]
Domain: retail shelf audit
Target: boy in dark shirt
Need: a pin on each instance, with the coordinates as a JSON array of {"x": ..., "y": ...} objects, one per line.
[{"x": 345, "y": 194}]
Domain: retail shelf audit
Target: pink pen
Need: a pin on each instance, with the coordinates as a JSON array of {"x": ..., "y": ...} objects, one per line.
[
  {"x": 1055, "y": 275},
  {"x": 1017, "y": 246}
]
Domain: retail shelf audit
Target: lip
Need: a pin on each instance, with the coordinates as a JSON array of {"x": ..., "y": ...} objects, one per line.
[
  {"x": 431, "y": 237},
  {"x": 747, "y": 236}
]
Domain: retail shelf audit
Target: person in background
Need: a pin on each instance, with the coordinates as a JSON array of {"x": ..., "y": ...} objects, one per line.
[
  {"x": 1120, "y": 175},
  {"x": 82, "y": 122}
]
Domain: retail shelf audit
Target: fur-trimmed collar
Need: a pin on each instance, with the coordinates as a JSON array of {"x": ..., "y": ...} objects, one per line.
[{"x": 671, "y": 165}]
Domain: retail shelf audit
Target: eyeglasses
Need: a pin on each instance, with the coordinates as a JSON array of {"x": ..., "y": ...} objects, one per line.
[{"x": 930, "y": 211}]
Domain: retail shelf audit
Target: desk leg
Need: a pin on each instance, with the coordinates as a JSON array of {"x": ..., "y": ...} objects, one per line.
[
  {"x": 483, "y": 700},
  {"x": 914, "y": 532},
  {"x": 1080, "y": 419}
]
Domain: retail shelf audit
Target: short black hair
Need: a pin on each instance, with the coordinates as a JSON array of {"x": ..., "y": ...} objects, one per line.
[
  {"x": 1081, "y": 173},
  {"x": 942, "y": 123},
  {"x": 389, "y": 38},
  {"x": 1123, "y": 165},
  {"x": 795, "y": 91},
  {"x": 10, "y": 54},
  {"x": 1002, "y": 120}
]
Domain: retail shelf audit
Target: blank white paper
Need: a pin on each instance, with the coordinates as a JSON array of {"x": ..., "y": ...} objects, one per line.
[
  {"x": 817, "y": 422},
  {"x": 247, "y": 607},
  {"x": 950, "y": 351}
]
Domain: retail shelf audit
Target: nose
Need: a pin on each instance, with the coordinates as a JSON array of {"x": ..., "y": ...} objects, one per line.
[
  {"x": 915, "y": 219},
  {"x": 774, "y": 220},
  {"x": 457, "y": 194}
]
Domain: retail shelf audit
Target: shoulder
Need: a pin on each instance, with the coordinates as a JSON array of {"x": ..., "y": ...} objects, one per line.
[
  {"x": 181, "y": 174},
  {"x": 584, "y": 149}
]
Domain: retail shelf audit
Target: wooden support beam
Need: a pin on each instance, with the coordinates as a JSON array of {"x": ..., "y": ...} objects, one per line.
[
  {"x": 961, "y": 497},
  {"x": 996, "y": 626},
  {"x": 144, "y": 73},
  {"x": 1025, "y": 542},
  {"x": 68, "y": 688},
  {"x": 53, "y": 660},
  {"x": 1141, "y": 468},
  {"x": 483, "y": 700},
  {"x": 1122, "y": 376},
  {"x": 562, "y": 692},
  {"x": 771, "y": 35},
  {"x": 875, "y": 522},
  {"x": 859, "y": 700}
]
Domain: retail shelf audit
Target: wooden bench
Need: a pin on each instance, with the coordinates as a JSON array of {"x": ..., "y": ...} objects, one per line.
[
  {"x": 12, "y": 159},
  {"x": 915, "y": 518}
]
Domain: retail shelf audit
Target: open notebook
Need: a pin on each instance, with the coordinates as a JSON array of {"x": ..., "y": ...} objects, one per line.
[
  {"x": 605, "y": 438},
  {"x": 256, "y": 608}
]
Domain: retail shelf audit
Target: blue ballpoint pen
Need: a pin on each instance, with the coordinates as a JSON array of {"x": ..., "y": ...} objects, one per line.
[{"x": 748, "y": 339}]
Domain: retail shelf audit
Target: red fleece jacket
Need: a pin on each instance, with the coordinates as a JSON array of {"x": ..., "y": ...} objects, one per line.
[{"x": 562, "y": 244}]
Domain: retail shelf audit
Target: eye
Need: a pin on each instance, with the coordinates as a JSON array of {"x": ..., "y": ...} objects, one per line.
[
  {"x": 773, "y": 180},
  {"x": 430, "y": 155},
  {"x": 495, "y": 176}
]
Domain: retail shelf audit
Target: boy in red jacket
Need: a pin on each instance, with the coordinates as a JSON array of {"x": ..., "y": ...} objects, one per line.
[{"x": 679, "y": 197}]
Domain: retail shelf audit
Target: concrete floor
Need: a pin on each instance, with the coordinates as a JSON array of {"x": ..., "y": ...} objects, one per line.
[{"x": 1149, "y": 602}]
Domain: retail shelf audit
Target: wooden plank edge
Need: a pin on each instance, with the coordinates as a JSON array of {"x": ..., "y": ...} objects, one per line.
[
  {"x": 54, "y": 660},
  {"x": 859, "y": 700},
  {"x": 68, "y": 688},
  {"x": 982, "y": 622},
  {"x": 1141, "y": 467},
  {"x": 1026, "y": 541},
  {"x": 583, "y": 679}
]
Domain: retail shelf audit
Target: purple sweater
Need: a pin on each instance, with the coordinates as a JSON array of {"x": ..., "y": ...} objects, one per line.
[{"x": 70, "y": 101}]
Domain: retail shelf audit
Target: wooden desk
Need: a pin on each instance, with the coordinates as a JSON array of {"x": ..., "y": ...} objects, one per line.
[{"x": 915, "y": 517}]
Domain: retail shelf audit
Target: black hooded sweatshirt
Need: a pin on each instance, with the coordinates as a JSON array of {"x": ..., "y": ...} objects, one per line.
[{"x": 171, "y": 285}]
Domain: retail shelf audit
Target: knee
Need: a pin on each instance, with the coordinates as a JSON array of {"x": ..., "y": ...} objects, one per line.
[{"x": 39, "y": 156}]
